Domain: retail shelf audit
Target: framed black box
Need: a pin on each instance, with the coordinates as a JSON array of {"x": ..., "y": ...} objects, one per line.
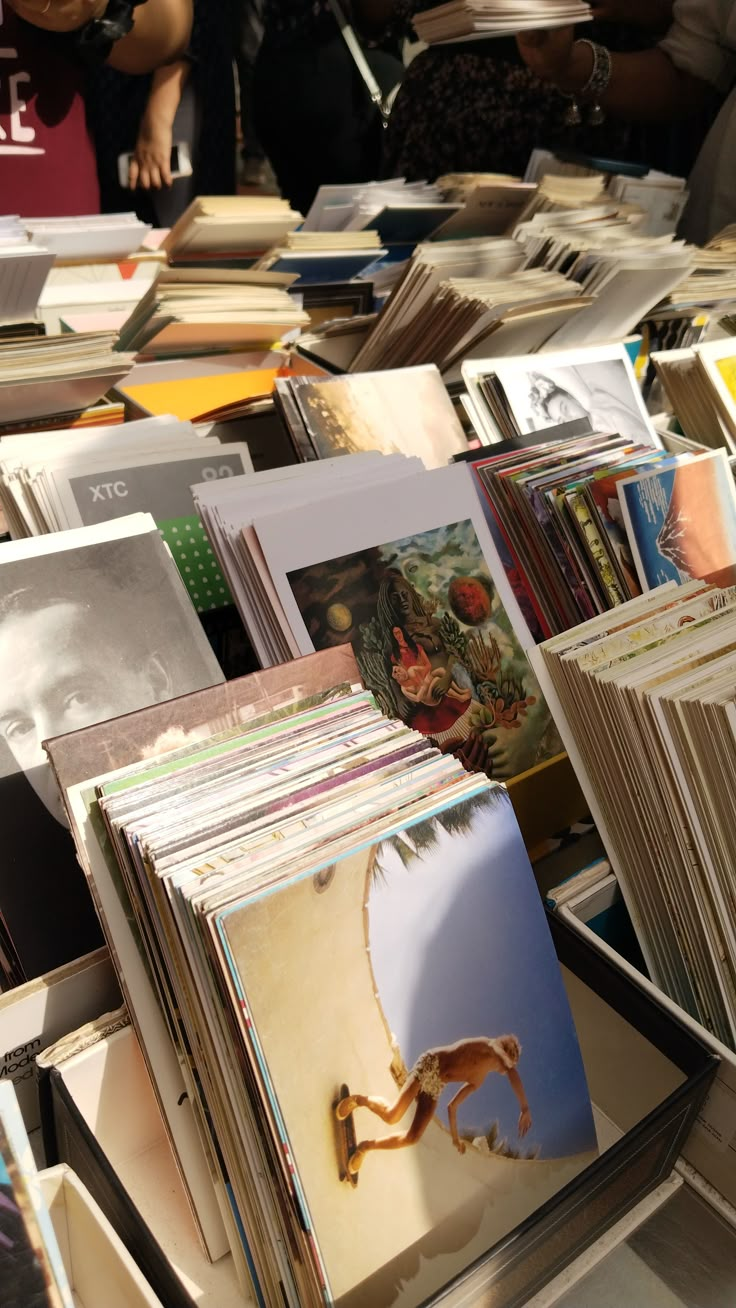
[{"x": 648, "y": 1075}]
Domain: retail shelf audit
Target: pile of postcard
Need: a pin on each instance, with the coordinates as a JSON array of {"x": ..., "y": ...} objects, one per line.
[
  {"x": 46, "y": 375},
  {"x": 51, "y": 481},
  {"x": 700, "y": 384},
  {"x": 712, "y": 281},
  {"x": 461, "y": 20},
  {"x": 196, "y": 310},
  {"x": 646, "y": 708},
  {"x": 658, "y": 198},
  {"x": 216, "y": 227},
  {"x": 288, "y": 891},
  {"x": 603, "y": 248},
  {"x": 455, "y": 295},
  {"x": 88, "y": 237},
  {"x": 661, "y": 196},
  {"x": 94, "y": 622},
  {"x": 24, "y": 267}
]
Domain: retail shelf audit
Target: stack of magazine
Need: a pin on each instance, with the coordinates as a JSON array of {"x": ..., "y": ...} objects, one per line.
[{"x": 322, "y": 916}]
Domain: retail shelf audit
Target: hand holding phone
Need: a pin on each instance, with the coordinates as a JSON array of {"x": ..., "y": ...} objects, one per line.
[{"x": 155, "y": 163}]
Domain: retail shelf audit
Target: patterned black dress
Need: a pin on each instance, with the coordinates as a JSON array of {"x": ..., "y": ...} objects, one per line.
[{"x": 476, "y": 107}]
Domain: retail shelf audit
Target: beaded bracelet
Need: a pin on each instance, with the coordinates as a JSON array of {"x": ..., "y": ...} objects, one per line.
[{"x": 594, "y": 88}]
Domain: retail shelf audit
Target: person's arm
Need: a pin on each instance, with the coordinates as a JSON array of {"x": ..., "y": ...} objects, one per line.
[
  {"x": 525, "y": 1117},
  {"x": 644, "y": 87},
  {"x": 151, "y": 162},
  {"x": 160, "y": 32}
]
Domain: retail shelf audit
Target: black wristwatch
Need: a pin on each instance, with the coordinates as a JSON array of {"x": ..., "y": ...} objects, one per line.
[{"x": 94, "y": 41}]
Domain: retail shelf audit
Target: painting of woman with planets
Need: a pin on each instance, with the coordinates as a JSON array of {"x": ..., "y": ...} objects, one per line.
[{"x": 435, "y": 645}]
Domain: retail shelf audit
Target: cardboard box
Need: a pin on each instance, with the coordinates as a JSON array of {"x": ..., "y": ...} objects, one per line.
[
  {"x": 37, "y": 1014},
  {"x": 648, "y": 1074},
  {"x": 101, "y": 1271}
]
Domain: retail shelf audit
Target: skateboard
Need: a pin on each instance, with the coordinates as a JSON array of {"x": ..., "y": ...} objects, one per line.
[{"x": 346, "y": 1139}]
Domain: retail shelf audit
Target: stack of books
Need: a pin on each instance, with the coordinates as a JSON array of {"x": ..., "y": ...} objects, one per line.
[
  {"x": 351, "y": 207},
  {"x": 323, "y": 257},
  {"x": 302, "y": 885}
]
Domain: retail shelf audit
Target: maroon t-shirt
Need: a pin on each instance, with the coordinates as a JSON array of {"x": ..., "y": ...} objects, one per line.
[{"x": 47, "y": 161}]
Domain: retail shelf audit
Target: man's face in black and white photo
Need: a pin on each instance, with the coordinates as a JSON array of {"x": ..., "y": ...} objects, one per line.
[{"x": 60, "y": 672}]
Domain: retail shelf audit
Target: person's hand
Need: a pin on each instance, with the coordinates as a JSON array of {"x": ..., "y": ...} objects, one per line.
[
  {"x": 59, "y": 15},
  {"x": 525, "y": 1122},
  {"x": 460, "y": 1146},
  {"x": 547, "y": 53},
  {"x": 150, "y": 167}
]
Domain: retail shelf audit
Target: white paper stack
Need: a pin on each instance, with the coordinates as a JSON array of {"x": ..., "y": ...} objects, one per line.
[
  {"x": 24, "y": 267},
  {"x": 58, "y": 374},
  {"x": 87, "y": 238},
  {"x": 469, "y": 19}
]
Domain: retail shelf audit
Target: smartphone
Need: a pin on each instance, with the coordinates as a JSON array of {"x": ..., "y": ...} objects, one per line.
[{"x": 181, "y": 163}]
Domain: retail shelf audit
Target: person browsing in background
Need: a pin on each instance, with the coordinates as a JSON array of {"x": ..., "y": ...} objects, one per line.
[
  {"x": 475, "y": 106},
  {"x": 671, "y": 82},
  {"x": 313, "y": 114},
  {"x": 47, "y": 162},
  {"x": 190, "y": 101}
]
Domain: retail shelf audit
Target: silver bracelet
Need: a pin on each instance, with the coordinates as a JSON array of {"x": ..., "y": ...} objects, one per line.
[{"x": 594, "y": 88}]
